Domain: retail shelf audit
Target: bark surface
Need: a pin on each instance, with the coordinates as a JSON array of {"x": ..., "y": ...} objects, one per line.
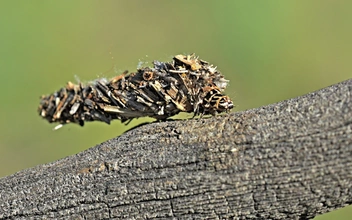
[{"x": 289, "y": 160}]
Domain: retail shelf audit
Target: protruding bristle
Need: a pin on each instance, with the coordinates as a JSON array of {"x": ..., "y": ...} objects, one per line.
[{"x": 57, "y": 127}]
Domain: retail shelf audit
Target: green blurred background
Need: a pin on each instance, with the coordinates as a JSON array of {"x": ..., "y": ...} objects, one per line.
[{"x": 270, "y": 51}]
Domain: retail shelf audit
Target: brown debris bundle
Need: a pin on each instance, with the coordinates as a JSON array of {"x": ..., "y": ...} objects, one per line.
[{"x": 187, "y": 84}]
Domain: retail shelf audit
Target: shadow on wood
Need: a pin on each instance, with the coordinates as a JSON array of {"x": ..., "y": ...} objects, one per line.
[{"x": 289, "y": 160}]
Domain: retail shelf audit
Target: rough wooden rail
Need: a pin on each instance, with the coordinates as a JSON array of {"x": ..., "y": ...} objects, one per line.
[{"x": 289, "y": 160}]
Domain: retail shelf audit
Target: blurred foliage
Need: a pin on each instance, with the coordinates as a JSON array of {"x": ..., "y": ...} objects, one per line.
[{"x": 270, "y": 51}]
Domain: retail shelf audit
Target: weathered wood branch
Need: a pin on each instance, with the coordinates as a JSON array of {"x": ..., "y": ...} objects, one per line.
[{"x": 289, "y": 160}]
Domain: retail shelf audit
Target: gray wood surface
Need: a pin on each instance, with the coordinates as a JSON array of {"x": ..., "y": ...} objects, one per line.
[{"x": 289, "y": 160}]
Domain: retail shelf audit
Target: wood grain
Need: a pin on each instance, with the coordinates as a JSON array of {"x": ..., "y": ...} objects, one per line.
[{"x": 289, "y": 160}]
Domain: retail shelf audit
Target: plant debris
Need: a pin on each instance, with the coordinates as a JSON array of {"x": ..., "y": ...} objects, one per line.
[{"x": 186, "y": 84}]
